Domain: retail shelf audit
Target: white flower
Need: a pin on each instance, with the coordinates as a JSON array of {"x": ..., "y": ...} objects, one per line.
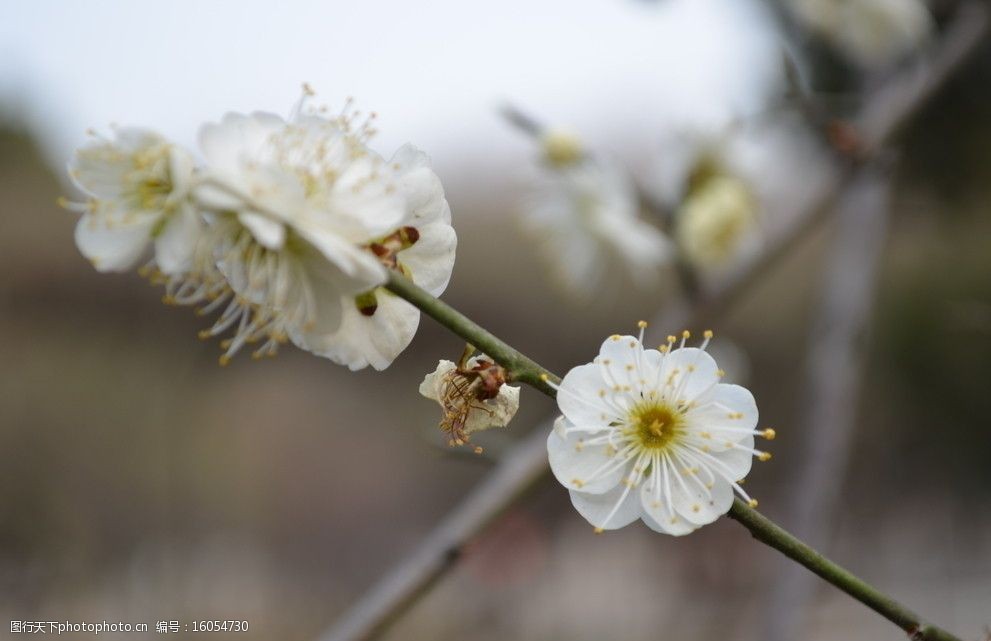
[
  {"x": 295, "y": 206},
  {"x": 138, "y": 187},
  {"x": 652, "y": 434},
  {"x": 584, "y": 212},
  {"x": 716, "y": 221},
  {"x": 705, "y": 179},
  {"x": 470, "y": 398},
  {"x": 378, "y": 325},
  {"x": 871, "y": 33}
]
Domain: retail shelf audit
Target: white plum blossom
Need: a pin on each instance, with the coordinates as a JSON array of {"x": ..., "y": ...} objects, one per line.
[
  {"x": 584, "y": 212},
  {"x": 471, "y": 398},
  {"x": 379, "y": 325},
  {"x": 653, "y": 434},
  {"x": 288, "y": 230},
  {"x": 299, "y": 211},
  {"x": 870, "y": 33},
  {"x": 717, "y": 221},
  {"x": 137, "y": 185},
  {"x": 705, "y": 180}
]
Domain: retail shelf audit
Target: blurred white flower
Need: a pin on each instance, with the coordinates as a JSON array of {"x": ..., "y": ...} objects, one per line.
[
  {"x": 378, "y": 325},
  {"x": 473, "y": 396},
  {"x": 294, "y": 208},
  {"x": 584, "y": 213},
  {"x": 716, "y": 220},
  {"x": 870, "y": 33},
  {"x": 138, "y": 187},
  {"x": 652, "y": 434},
  {"x": 704, "y": 178}
]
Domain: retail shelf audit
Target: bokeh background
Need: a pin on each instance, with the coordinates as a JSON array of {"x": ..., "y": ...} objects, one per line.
[{"x": 142, "y": 482}]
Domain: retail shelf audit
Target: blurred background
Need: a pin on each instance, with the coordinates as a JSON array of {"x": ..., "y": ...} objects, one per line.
[{"x": 142, "y": 482}]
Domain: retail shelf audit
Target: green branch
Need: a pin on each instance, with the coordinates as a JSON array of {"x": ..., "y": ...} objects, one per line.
[
  {"x": 521, "y": 368},
  {"x": 767, "y": 532}
]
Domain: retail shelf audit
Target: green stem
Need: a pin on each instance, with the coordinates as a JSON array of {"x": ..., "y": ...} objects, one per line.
[
  {"x": 521, "y": 368},
  {"x": 768, "y": 533}
]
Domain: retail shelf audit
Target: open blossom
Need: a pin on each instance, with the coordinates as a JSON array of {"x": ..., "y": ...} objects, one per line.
[
  {"x": 653, "y": 434},
  {"x": 704, "y": 179},
  {"x": 871, "y": 33},
  {"x": 378, "y": 325},
  {"x": 473, "y": 396},
  {"x": 585, "y": 214},
  {"x": 304, "y": 221},
  {"x": 138, "y": 188}
]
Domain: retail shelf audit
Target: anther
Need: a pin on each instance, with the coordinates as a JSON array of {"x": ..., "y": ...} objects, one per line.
[
  {"x": 642, "y": 324},
  {"x": 707, "y": 333},
  {"x": 598, "y": 530},
  {"x": 769, "y": 434},
  {"x": 752, "y": 503},
  {"x": 764, "y": 456}
]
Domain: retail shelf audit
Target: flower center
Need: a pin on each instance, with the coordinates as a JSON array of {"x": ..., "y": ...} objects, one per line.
[{"x": 655, "y": 424}]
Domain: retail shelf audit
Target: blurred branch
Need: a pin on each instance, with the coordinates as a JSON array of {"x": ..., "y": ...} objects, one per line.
[
  {"x": 882, "y": 119},
  {"x": 832, "y": 379}
]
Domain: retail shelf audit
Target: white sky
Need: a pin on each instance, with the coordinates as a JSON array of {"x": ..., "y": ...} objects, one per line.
[{"x": 618, "y": 70}]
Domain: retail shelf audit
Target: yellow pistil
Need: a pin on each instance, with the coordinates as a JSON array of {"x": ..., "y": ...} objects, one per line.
[{"x": 655, "y": 424}]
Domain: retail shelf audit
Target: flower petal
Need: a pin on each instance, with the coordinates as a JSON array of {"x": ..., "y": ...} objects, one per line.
[
  {"x": 421, "y": 186},
  {"x": 367, "y": 198},
  {"x": 687, "y": 372},
  {"x": 698, "y": 504},
  {"x": 359, "y": 270},
  {"x": 497, "y": 411},
  {"x": 236, "y": 138},
  {"x": 620, "y": 358},
  {"x": 175, "y": 245},
  {"x": 430, "y": 259},
  {"x": 114, "y": 243},
  {"x": 374, "y": 340},
  {"x": 657, "y": 511},
  {"x": 580, "y": 398},
  {"x": 433, "y": 382},
  {"x": 580, "y": 466},
  {"x": 722, "y": 416},
  {"x": 610, "y": 510},
  {"x": 736, "y": 463},
  {"x": 269, "y": 233}
]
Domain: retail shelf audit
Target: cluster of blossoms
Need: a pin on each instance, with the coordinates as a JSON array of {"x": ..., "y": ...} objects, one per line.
[
  {"x": 653, "y": 434},
  {"x": 287, "y": 230},
  {"x": 585, "y": 214}
]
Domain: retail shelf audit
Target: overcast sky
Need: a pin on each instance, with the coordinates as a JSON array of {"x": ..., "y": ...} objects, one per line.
[{"x": 434, "y": 71}]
